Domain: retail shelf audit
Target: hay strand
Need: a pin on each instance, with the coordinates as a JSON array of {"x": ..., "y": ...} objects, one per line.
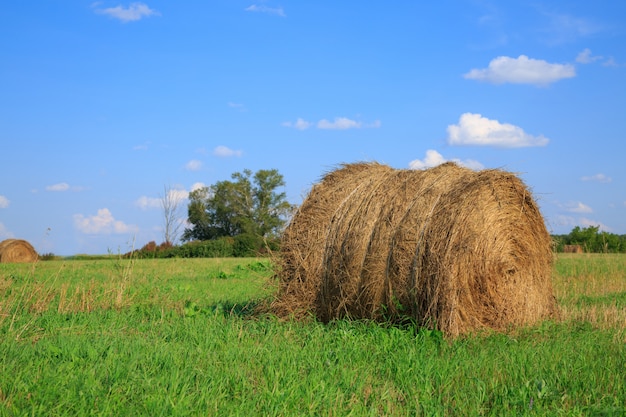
[
  {"x": 17, "y": 251},
  {"x": 448, "y": 247}
]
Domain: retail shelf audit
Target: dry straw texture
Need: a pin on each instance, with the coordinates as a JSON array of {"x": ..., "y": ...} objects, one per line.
[
  {"x": 17, "y": 251},
  {"x": 448, "y": 247}
]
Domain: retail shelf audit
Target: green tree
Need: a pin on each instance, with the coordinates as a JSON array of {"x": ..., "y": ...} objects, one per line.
[
  {"x": 593, "y": 240},
  {"x": 586, "y": 237},
  {"x": 248, "y": 205}
]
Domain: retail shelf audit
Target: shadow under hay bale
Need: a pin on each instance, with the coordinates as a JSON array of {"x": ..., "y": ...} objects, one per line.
[
  {"x": 447, "y": 247},
  {"x": 17, "y": 251}
]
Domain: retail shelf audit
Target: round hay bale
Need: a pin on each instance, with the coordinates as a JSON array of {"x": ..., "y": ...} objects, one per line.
[
  {"x": 17, "y": 251},
  {"x": 448, "y": 247}
]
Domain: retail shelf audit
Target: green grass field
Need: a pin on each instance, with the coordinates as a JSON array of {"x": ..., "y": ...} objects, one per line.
[{"x": 177, "y": 337}]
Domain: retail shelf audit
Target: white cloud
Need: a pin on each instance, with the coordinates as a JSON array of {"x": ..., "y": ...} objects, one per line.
[
  {"x": 5, "y": 233},
  {"x": 598, "y": 178},
  {"x": 4, "y": 202},
  {"x": 193, "y": 165},
  {"x": 135, "y": 11},
  {"x": 569, "y": 221},
  {"x": 237, "y": 106},
  {"x": 142, "y": 147},
  {"x": 562, "y": 220},
  {"x": 474, "y": 129},
  {"x": 226, "y": 152},
  {"x": 299, "y": 124},
  {"x": 585, "y": 57},
  {"x": 102, "y": 223},
  {"x": 146, "y": 203},
  {"x": 575, "y": 25},
  {"x": 610, "y": 62},
  {"x": 578, "y": 207},
  {"x": 62, "y": 186},
  {"x": 564, "y": 28},
  {"x": 434, "y": 158},
  {"x": 302, "y": 124},
  {"x": 178, "y": 195},
  {"x": 522, "y": 70},
  {"x": 339, "y": 123},
  {"x": 278, "y": 11},
  {"x": 583, "y": 221},
  {"x": 197, "y": 186}
]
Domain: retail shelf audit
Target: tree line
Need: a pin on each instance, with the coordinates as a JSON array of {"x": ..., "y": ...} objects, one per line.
[
  {"x": 244, "y": 216},
  {"x": 591, "y": 239}
]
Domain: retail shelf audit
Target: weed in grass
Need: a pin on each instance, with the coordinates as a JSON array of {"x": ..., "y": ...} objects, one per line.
[
  {"x": 124, "y": 269},
  {"x": 592, "y": 288},
  {"x": 257, "y": 266},
  {"x": 45, "y": 286}
]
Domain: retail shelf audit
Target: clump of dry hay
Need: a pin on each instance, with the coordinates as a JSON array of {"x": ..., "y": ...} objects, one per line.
[
  {"x": 449, "y": 247},
  {"x": 17, "y": 251}
]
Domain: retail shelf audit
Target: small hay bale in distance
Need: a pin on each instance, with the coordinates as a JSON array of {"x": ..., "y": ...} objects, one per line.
[
  {"x": 17, "y": 251},
  {"x": 572, "y": 249},
  {"x": 448, "y": 247}
]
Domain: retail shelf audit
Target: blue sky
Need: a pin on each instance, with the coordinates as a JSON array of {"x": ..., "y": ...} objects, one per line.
[{"x": 105, "y": 105}]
